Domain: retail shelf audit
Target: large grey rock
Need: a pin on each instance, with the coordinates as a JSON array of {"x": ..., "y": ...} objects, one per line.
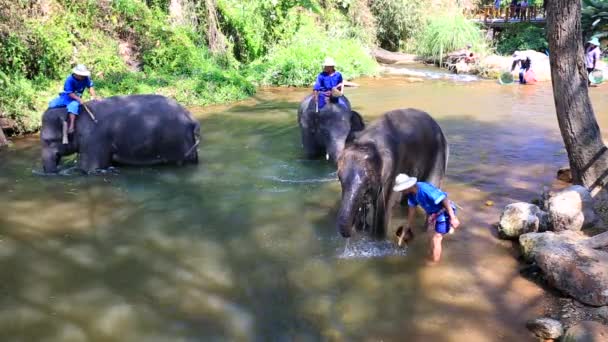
[
  {"x": 603, "y": 312},
  {"x": 545, "y": 328},
  {"x": 587, "y": 331},
  {"x": 531, "y": 243},
  {"x": 521, "y": 218},
  {"x": 570, "y": 209},
  {"x": 579, "y": 271}
]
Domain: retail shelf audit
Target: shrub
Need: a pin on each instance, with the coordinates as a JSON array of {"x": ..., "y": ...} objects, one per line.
[
  {"x": 398, "y": 22},
  {"x": 446, "y": 33},
  {"x": 522, "y": 36}
]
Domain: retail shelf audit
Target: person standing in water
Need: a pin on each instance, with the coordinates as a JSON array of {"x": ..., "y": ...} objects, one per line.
[
  {"x": 71, "y": 96},
  {"x": 441, "y": 213},
  {"x": 329, "y": 84},
  {"x": 592, "y": 56},
  {"x": 524, "y": 65}
]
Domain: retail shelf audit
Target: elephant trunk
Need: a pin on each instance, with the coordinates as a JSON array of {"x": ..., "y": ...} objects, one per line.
[
  {"x": 50, "y": 160},
  {"x": 348, "y": 209},
  {"x": 334, "y": 149}
]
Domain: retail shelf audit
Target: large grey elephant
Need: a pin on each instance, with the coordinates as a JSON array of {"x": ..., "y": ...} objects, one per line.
[
  {"x": 327, "y": 131},
  {"x": 131, "y": 130},
  {"x": 402, "y": 141}
]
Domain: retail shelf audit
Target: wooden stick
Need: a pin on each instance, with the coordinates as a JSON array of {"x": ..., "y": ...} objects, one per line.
[{"x": 90, "y": 113}]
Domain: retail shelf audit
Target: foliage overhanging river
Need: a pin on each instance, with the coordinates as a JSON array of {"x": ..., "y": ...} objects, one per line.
[{"x": 244, "y": 246}]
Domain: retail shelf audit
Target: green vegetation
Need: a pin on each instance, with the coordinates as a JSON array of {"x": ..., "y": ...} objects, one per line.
[
  {"x": 595, "y": 18},
  {"x": 448, "y": 32},
  {"x": 521, "y": 36}
]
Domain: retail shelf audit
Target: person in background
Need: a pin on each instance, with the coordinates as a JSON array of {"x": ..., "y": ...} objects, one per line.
[
  {"x": 497, "y": 8},
  {"x": 71, "y": 96},
  {"x": 524, "y": 65},
  {"x": 514, "y": 8},
  {"x": 329, "y": 84},
  {"x": 524, "y": 9},
  {"x": 592, "y": 55},
  {"x": 440, "y": 210}
]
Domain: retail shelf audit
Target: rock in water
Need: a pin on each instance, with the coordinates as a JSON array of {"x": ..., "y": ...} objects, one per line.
[
  {"x": 571, "y": 209},
  {"x": 545, "y": 328},
  {"x": 587, "y": 331},
  {"x": 521, "y": 218},
  {"x": 531, "y": 243}
]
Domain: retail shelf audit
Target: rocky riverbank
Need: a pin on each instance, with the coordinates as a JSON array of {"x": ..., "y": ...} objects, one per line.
[{"x": 563, "y": 237}]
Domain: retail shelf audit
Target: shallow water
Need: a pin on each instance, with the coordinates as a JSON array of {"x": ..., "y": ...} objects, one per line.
[{"x": 243, "y": 246}]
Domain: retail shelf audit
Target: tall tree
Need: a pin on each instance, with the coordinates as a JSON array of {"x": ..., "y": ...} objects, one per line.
[{"x": 586, "y": 151}]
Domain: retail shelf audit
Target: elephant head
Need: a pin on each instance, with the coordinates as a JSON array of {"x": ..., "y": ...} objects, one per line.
[
  {"x": 359, "y": 173},
  {"x": 335, "y": 125},
  {"x": 51, "y": 138}
]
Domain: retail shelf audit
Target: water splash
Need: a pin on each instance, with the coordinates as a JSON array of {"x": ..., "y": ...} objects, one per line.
[
  {"x": 366, "y": 249},
  {"x": 428, "y": 74}
]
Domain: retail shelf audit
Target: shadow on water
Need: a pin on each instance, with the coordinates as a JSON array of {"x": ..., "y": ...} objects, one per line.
[{"x": 244, "y": 247}]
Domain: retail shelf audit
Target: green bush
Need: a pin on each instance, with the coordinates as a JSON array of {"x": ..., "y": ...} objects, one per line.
[
  {"x": 448, "y": 32},
  {"x": 521, "y": 36},
  {"x": 398, "y": 22},
  {"x": 298, "y": 61}
]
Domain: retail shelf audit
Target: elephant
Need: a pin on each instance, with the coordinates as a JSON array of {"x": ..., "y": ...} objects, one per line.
[
  {"x": 402, "y": 141},
  {"x": 131, "y": 130},
  {"x": 328, "y": 131}
]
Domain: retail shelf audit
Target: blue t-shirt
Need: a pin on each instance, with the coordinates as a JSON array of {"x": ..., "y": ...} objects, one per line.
[
  {"x": 428, "y": 197},
  {"x": 325, "y": 81},
  {"x": 72, "y": 85}
]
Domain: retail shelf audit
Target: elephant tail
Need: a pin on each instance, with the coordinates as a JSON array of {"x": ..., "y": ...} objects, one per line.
[{"x": 196, "y": 137}]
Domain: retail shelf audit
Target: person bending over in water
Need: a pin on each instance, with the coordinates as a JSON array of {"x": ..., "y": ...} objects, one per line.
[
  {"x": 441, "y": 213},
  {"x": 71, "y": 96},
  {"x": 524, "y": 65},
  {"x": 329, "y": 84}
]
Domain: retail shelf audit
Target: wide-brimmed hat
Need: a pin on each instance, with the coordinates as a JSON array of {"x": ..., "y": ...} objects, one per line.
[
  {"x": 329, "y": 62},
  {"x": 403, "y": 181},
  {"x": 594, "y": 41},
  {"x": 81, "y": 70}
]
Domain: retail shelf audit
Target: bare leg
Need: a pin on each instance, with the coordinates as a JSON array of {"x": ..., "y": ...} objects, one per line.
[
  {"x": 435, "y": 253},
  {"x": 71, "y": 124}
]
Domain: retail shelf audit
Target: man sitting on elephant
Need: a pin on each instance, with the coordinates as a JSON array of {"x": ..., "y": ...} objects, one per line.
[
  {"x": 329, "y": 84},
  {"x": 71, "y": 96},
  {"x": 441, "y": 211}
]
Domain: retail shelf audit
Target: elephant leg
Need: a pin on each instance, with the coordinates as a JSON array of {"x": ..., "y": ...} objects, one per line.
[
  {"x": 311, "y": 148},
  {"x": 93, "y": 158},
  {"x": 437, "y": 172}
]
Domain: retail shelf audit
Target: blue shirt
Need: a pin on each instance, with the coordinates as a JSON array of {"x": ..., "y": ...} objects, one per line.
[
  {"x": 325, "y": 81},
  {"x": 72, "y": 85},
  {"x": 428, "y": 197}
]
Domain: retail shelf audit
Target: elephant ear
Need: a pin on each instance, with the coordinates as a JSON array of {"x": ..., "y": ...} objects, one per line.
[{"x": 356, "y": 122}]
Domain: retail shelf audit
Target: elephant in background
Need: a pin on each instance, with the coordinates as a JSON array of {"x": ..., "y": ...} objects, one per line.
[
  {"x": 327, "y": 131},
  {"x": 131, "y": 130}
]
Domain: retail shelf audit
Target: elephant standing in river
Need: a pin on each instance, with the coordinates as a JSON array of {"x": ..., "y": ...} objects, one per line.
[
  {"x": 402, "y": 141},
  {"x": 132, "y": 130},
  {"x": 326, "y": 132}
]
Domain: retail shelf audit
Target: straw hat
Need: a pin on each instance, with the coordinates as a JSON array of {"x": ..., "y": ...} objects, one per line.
[
  {"x": 403, "y": 182},
  {"x": 329, "y": 62},
  {"x": 594, "y": 41},
  {"x": 81, "y": 70}
]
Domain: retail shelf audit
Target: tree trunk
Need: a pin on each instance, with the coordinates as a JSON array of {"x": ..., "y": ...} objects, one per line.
[
  {"x": 215, "y": 37},
  {"x": 586, "y": 151}
]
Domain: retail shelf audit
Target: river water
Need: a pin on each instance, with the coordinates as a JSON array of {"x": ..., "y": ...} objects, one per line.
[{"x": 243, "y": 246}]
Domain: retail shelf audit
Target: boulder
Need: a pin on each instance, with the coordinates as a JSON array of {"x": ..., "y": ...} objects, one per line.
[
  {"x": 587, "y": 331},
  {"x": 531, "y": 243},
  {"x": 521, "y": 218},
  {"x": 603, "y": 312},
  {"x": 571, "y": 209},
  {"x": 545, "y": 328},
  {"x": 388, "y": 57},
  {"x": 494, "y": 65}
]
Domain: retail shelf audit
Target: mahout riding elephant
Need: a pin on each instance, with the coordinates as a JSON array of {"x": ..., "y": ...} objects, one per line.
[
  {"x": 402, "y": 141},
  {"x": 130, "y": 130},
  {"x": 326, "y": 131}
]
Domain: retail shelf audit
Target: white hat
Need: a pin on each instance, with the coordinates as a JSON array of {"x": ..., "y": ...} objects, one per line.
[
  {"x": 81, "y": 70},
  {"x": 329, "y": 62},
  {"x": 403, "y": 182}
]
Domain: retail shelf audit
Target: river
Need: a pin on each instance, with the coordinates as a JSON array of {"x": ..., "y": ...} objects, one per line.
[{"x": 243, "y": 246}]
